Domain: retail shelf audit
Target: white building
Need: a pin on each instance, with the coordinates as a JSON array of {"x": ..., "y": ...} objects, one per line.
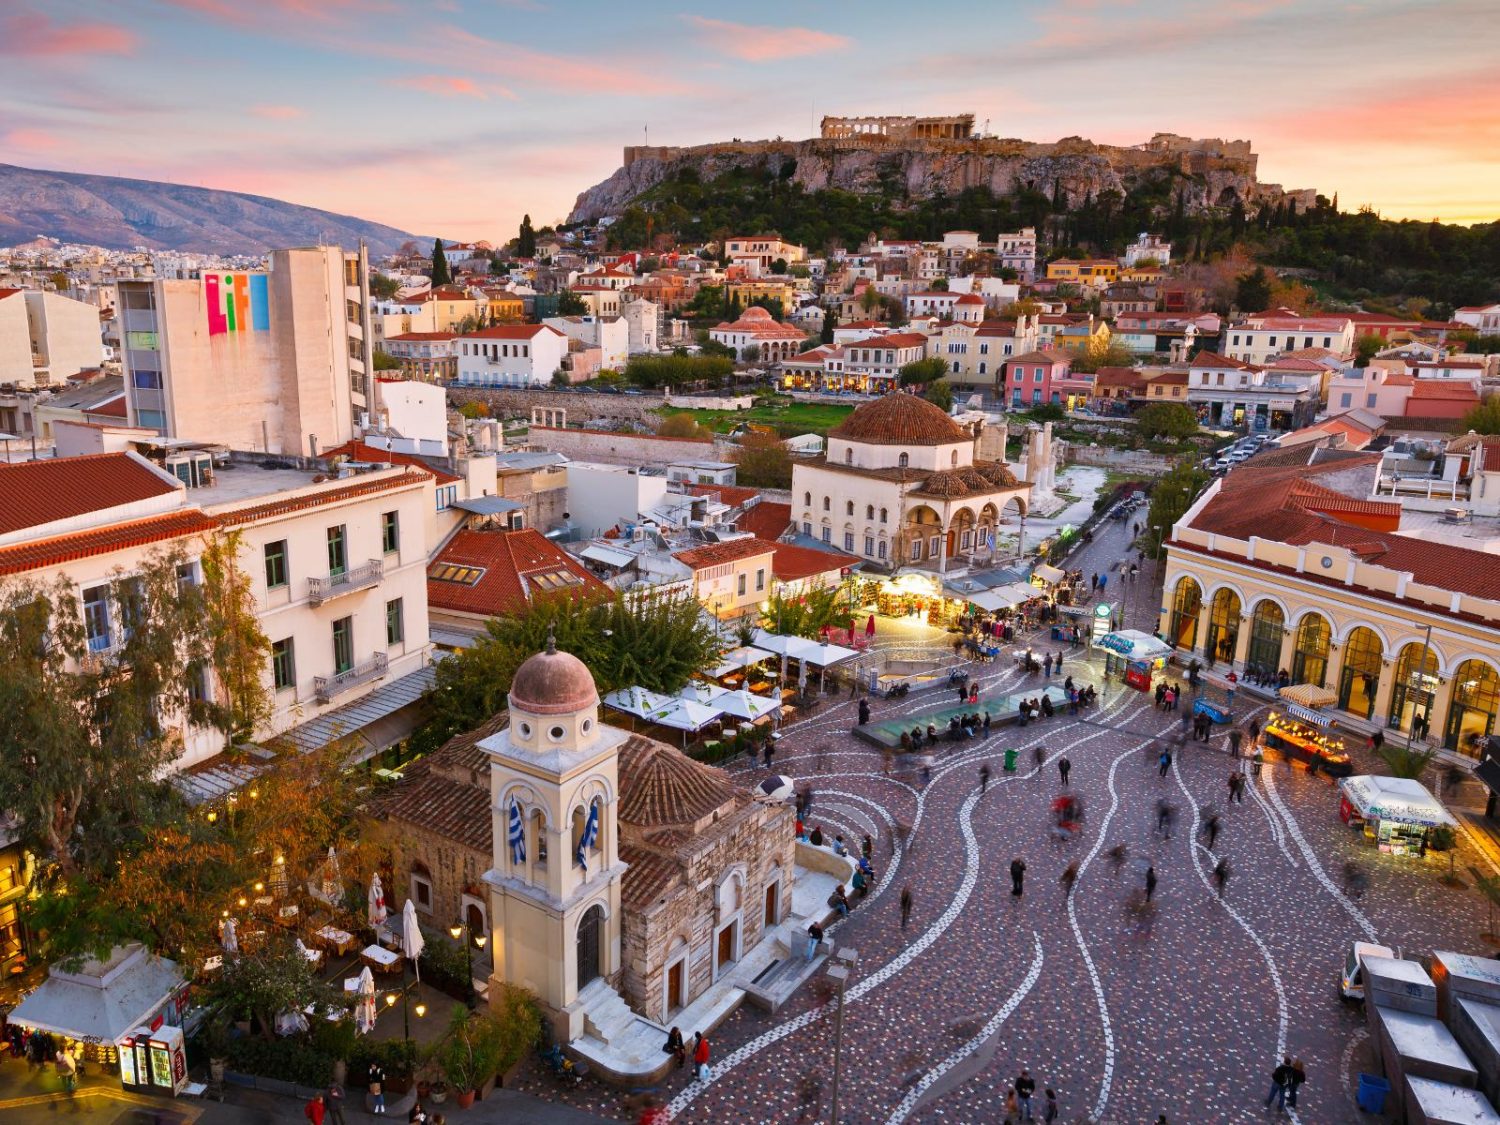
[
  {"x": 1257, "y": 338},
  {"x": 603, "y": 496},
  {"x": 610, "y": 334},
  {"x": 901, "y": 486},
  {"x": 46, "y": 337},
  {"x": 1017, "y": 250},
  {"x": 946, "y": 305},
  {"x": 1484, "y": 319},
  {"x": 876, "y": 361},
  {"x": 511, "y": 355},
  {"x": 1144, "y": 247},
  {"x": 756, "y": 328},
  {"x": 643, "y": 319}
]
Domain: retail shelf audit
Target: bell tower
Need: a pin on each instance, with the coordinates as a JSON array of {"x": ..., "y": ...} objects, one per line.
[{"x": 554, "y": 888}]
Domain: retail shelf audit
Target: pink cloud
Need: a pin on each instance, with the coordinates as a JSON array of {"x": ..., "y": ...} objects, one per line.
[
  {"x": 451, "y": 86},
  {"x": 33, "y": 34},
  {"x": 542, "y": 68},
  {"x": 31, "y": 140},
  {"x": 278, "y": 112},
  {"x": 240, "y": 14},
  {"x": 760, "y": 43}
]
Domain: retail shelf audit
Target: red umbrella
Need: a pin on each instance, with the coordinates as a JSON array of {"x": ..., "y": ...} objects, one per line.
[{"x": 870, "y": 626}]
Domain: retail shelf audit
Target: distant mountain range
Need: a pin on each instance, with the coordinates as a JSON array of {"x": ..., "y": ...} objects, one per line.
[{"x": 122, "y": 214}]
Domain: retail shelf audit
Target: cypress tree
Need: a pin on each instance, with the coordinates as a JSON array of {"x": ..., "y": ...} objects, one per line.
[
  {"x": 441, "y": 274},
  {"x": 526, "y": 240}
]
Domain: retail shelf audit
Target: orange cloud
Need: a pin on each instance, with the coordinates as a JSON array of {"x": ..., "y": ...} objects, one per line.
[
  {"x": 317, "y": 10},
  {"x": 278, "y": 112},
  {"x": 31, "y": 140},
  {"x": 574, "y": 73},
  {"x": 759, "y": 43},
  {"x": 451, "y": 86},
  {"x": 33, "y": 34}
]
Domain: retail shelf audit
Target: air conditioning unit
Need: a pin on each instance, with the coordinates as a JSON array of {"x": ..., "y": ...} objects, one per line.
[{"x": 1457, "y": 515}]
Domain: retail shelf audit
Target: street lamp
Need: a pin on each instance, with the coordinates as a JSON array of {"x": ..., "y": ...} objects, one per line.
[
  {"x": 390, "y": 1002},
  {"x": 845, "y": 960},
  {"x": 461, "y": 930}
]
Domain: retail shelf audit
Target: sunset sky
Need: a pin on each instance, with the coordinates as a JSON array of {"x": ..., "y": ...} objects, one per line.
[{"x": 452, "y": 117}]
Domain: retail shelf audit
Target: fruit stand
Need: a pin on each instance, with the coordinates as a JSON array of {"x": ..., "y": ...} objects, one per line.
[{"x": 1308, "y": 737}]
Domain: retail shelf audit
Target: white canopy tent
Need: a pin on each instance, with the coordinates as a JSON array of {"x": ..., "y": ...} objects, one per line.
[
  {"x": 103, "y": 1001},
  {"x": 742, "y": 657},
  {"x": 637, "y": 701},
  {"x": 1048, "y": 574},
  {"x": 703, "y": 693},
  {"x": 743, "y": 705},
  {"x": 1397, "y": 799},
  {"x": 1003, "y": 597}
]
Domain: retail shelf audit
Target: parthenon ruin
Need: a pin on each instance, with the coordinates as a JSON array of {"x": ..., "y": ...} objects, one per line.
[{"x": 957, "y": 128}]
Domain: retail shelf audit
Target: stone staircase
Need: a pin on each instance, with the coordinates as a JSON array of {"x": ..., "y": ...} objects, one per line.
[{"x": 606, "y": 1016}]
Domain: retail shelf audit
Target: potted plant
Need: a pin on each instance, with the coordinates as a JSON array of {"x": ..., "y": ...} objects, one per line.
[
  {"x": 519, "y": 1024},
  {"x": 216, "y": 1040},
  {"x": 469, "y": 1055}
]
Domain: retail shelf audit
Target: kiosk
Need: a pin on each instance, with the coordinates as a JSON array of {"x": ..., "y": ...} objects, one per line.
[
  {"x": 1308, "y": 737},
  {"x": 1398, "y": 813}
]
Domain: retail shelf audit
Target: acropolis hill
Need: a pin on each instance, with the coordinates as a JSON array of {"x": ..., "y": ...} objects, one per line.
[{"x": 921, "y": 157}]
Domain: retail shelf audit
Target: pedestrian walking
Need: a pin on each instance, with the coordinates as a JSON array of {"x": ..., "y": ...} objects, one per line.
[
  {"x": 1049, "y": 1107},
  {"x": 1025, "y": 1089},
  {"x": 986, "y": 724},
  {"x": 1063, "y": 768},
  {"x": 1236, "y": 787},
  {"x": 1093, "y": 582},
  {"x": 1017, "y": 876},
  {"x": 1012, "y": 1107},
  {"x": 864, "y": 711},
  {"x": 867, "y": 846},
  {"x": 376, "y": 1081},
  {"x": 1235, "y": 737},
  {"x": 700, "y": 1056},
  {"x": 1068, "y": 878},
  {"x": 1221, "y": 875},
  {"x": 1211, "y": 828},
  {"x": 315, "y": 1109},
  {"x": 1150, "y": 882},
  {"x": 814, "y": 939},
  {"x": 1103, "y": 582},
  {"x": 1039, "y": 755},
  {"x": 1047, "y": 665},
  {"x": 1299, "y": 1076},
  {"x": 1165, "y": 762},
  {"x": 1281, "y": 1078},
  {"x": 335, "y": 1102},
  {"x": 1117, "y": 855},
  {"x": 984, "y": 777},
  {"x": 905, "y": 905}
]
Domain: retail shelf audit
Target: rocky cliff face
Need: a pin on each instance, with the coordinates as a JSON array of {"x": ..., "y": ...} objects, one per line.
[
  {"x": 121, "y": 214},
  {"x": 1207, "y": 175}
]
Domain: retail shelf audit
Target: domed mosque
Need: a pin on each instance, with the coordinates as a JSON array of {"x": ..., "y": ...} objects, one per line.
[
  {"x": 627, "y": 878},
  {"x": 902, "y": 485}
]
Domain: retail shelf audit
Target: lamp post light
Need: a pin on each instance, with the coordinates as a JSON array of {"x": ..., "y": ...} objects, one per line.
[
  {"x": 461, "y": 930},
  {"x": 845, "y": 960}
]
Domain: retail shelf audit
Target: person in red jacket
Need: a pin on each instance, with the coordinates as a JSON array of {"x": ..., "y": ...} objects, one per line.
[
  {"x": 700, "y": 1055},
  {"x": 314, "y": 1110}
]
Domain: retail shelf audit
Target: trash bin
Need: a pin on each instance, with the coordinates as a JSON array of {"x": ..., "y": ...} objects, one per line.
[
  {"x": 1010, "y": 761},
  {"x": 1372, "y": 1092}
]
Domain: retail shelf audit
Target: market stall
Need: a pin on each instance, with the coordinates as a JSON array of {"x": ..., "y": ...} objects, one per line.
[
  {"x": 1306, "y": 736},
  {"x": 121, "y": 1012},
  {"x": 1133, "y": 656},
  {"x": 1398, "y": 813},
  {"x": 1047, "y": 575}
]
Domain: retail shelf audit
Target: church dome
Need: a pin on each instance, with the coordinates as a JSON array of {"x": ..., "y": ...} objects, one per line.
[
  {"x": 900, "y": 419},
  {"x": 755, "y": 312},
  {"x": 553, "y": 683}
]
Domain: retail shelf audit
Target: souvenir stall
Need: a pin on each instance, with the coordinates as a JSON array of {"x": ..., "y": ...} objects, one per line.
[
  {"x": 920, "y": 596},
  {"x": 1397, "y": 813},
  {"x": 1133, "y": 657},
  {"x": 1308, "y": 737},
  {"x": 122, "y": 1013}
]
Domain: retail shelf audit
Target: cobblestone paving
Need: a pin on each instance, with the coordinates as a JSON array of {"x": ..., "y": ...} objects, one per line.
[{"x": 1185, "y": 1017}]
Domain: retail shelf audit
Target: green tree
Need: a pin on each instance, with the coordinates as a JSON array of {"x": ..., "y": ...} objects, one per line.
[
  {"x": 656, "y": 642},
  {"x": 779, "y": 267},
  {"x": 383, "y": 286},
  {"x": 1166, "y": 420},
  {"x": 939, "y": 392},
  {"x": 1110, "y": 353},
  {"x": 830, "y": 322},
  {"x": 560, "y": 378},
  {"x": 750, "y": 353},
  {"x": 1252, "y": 291},
  {"x": 763, "y": 461},
  {"x": 1170, "y": 498},
  {"x": 526, "y": 239},
  {"x": 475, "y": 409},
  {"x": 678, "y": 370},
  {"x": 807, "y": 614},
  {"x": 1365, "y": 348},
  {"x": 385, "y": 361},
  {"x": 1484, "y": 418},
  {"x": 60, "y": 281},
  {"x": 1407, "y": 761},
  {"x": 683, "y": 425},
  {"x": 1047, "y": 412},
  {"x": 277, "y": 977},
  {"x": 923, "y": 371},
  {"x": 441, "y": 274},
  {"x": 940, "y": 284},
  {"x": 239, "y": 649},
  {"x": 570, "y": 303}
]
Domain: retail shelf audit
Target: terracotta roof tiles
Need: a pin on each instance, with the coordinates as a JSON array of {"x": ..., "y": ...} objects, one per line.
[
  {"x": 42, "y": 492},
  {"x": 510, "y": 564},
  {"x": 900, "y": 419},
  {"x": 792, "y": 562},
  {"x": 719, "y": 554},
  {"x": 369, "y": 455},
  {"x": 662, "y": 787},
  {"x": 60, "y": 549}
]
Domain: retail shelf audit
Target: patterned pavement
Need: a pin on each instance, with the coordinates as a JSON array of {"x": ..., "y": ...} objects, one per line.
[{"x": 1126, "y": 1015}]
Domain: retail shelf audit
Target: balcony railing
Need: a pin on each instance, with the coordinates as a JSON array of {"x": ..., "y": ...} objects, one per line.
[
  {"x": 329, "y": 688},
  {"x": 321, "y": 590}
]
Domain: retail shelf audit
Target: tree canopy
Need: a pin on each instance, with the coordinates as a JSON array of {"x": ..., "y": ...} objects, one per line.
[
  {"x": 526, "y": 239},
  {"x": 1171, "y": 497},
  {"x": 923, "y": 371},
  {"x": 676, "y": 370},
  {"x": 1166, "y": 420},
  {"x": 763, "y": 461},
  {"x": 1484, "y": 418},
  {"x": 441, "y": 274}
]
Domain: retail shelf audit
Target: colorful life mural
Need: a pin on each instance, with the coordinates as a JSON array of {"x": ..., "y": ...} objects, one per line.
[{"x": 237, "y": 302}]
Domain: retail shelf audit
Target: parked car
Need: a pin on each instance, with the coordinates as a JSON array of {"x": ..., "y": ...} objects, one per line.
[{"x": 1356, "y": 953}]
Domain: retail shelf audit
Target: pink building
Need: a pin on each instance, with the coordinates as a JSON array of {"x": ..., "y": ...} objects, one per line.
[{"x": 1030, "y": 378}]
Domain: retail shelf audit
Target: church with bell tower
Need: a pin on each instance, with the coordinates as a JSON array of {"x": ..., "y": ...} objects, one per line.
[{"x": 554, "y": 889}]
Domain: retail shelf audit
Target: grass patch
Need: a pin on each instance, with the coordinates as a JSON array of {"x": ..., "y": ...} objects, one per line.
[{"x": 786, "y": 415}]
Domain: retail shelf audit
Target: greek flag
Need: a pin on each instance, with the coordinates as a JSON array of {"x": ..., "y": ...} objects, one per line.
[
  {"x": 990, "y": 540},
  {"x": 517, "y": 835},
  {"x": 590, "y": 834}
]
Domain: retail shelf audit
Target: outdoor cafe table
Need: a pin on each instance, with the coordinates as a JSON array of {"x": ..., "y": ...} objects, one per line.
[
  {"x": 340, "y": 940},
  {"x": 380, "y": 959}
]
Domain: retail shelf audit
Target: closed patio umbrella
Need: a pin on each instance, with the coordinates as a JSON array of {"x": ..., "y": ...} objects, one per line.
[
  {"x": 378, "y": 912},
  {"x": 412, "y": 942},
  {"x": 364, "y": 1008},
  {"x": 227, "y": 937},
  {"x": 332, "y": 884}
]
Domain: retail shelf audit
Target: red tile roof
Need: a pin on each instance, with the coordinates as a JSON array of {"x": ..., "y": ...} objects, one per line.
[
  {"x": 512, "y": 332},
  {"x": 769, "y": 520},
  {"x": 287, "y": 505},
  {"x": 890, "y": 340},
  {"x": 368, "y": 455},
  {"x": 59, "y": 549},
  {"x": 729, "y": 493},
  {"x": 720, "y": 554},
  {"x": 415, "y": 336},
  {"x": 1214, "y": 359},
  {"x": 41, "y": 492},
  {"x": 900, "y": 419},
  {"x": 792, "y": 562},
  {"x": 110, "y": 408},
  {"x": 1444, "y": 389},
  {"x": 510, "y": 560},
  {"x": 4, "y": 293}
]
